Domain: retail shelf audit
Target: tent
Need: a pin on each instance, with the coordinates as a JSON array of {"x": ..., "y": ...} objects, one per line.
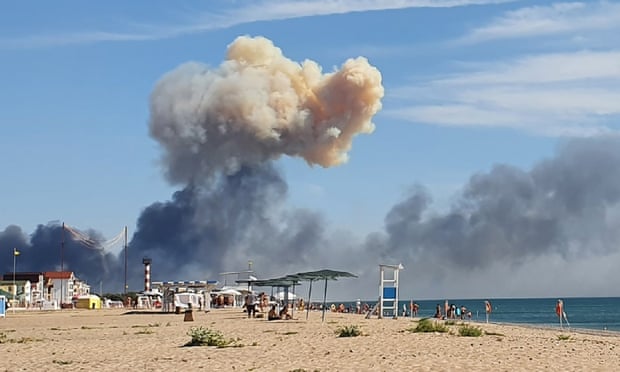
[
  {"x": 282, "y": 295},
  {"x": 235, "y": 293},
  {"x": 229, "y": 291},
  {"x": 324, "y": 274}
]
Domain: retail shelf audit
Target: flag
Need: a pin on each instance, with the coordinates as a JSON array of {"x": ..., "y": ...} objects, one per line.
[{"x": 15, "y": 252}]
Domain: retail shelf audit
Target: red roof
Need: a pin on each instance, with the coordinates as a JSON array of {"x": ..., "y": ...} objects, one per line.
[{"x": 57, "y": 274}]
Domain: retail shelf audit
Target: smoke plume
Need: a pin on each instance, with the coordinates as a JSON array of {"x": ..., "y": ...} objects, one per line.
[
  {"x": 43, "y": 250},
  {"x": 258, "y": 105},
  {"x": 220, "y": 129},
  {"x": 204, "y": 230}
]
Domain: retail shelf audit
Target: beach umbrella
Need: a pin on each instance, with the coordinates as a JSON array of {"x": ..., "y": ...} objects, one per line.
[
  {"x": 282, "y": 282},
  {"x": 325, "y": 275}
]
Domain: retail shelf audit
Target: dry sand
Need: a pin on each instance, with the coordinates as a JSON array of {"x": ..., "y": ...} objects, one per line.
[{"x": 110, "y": 340}]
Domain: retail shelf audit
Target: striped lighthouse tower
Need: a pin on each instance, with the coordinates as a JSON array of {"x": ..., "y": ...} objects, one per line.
[{"x": 147, "y": 274}]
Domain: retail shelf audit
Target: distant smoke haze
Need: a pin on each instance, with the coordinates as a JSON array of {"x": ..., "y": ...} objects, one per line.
[{"x": 564, "y": 210}]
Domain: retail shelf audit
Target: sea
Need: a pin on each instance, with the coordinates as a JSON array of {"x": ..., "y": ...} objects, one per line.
[{"x": 593, "y": 313}]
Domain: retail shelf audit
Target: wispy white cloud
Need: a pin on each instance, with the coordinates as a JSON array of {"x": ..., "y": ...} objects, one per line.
[
  {"x": 566, "y": 94},
  {"x": 546, "y": 68},
  {"x": 225, "y": 18},
  {"x": 559, "y": 18},
  {"x": 296, "y": 9}
]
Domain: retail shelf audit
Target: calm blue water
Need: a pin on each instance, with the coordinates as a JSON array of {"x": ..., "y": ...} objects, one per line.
[{"x": 597, "y": 313}]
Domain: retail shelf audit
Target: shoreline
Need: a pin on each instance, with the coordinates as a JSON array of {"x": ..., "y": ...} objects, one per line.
[{"x": 112, "y": 339}]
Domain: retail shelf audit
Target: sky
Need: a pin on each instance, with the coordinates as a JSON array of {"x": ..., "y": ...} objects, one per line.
[{"x": 475, "y": 142}]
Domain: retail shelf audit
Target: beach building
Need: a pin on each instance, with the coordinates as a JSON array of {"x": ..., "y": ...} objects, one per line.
[
  {"x": 80, "y": 288},
  {"x": 19, "y": 292},
  {"x": 45, "y": 288},
  {"x": 59, "y": 286},
  {"x": 36, "y": 284}
]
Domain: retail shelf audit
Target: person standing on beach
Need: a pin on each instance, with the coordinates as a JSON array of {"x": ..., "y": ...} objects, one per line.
[
  {"x": 559, "y": 310},
  {"x": 438, "y": 312},
  {"x": 488, "y": 308},
  {"x": 250, "y": 304}
]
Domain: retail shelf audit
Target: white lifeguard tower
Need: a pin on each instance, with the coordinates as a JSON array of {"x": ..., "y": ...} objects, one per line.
[{"x": 388, "y": 290}]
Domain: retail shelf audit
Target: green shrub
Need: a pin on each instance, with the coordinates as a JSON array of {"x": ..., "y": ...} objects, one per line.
[
  {"x": 428, "y": 325},
  {"x": 22, "y": 340},
  {"x": 348, "y": 331},
  {"x": 470, "y": 331},
  {"x": 207, "y": 337}
]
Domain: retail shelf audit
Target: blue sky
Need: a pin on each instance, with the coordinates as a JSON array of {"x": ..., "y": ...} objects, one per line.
[{"x": 468, "y": 84}]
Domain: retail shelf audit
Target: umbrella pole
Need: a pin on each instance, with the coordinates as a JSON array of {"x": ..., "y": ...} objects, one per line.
[
  {"x": 293, "y": 307},
  {"x": 324, "y": 299},
  {"x": 309, "y": 300}
]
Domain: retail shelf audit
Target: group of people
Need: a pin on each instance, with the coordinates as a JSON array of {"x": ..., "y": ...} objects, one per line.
[
  {"x": 252, "y": 301},
  {"x": 452, "y": 312},
  {"x": 283, "y": 314}
]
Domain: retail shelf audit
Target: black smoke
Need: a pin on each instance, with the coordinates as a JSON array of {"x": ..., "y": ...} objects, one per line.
[{"x": 220, "y": 226}]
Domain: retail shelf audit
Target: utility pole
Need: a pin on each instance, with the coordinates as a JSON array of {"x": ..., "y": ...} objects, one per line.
[
  {"x": 62, "y": 262},
  {"x": 15, "y": 254},
  {"x": 125, "y": 288}
]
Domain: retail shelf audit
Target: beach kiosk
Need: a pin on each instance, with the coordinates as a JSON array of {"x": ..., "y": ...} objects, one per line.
[{"x": 91, "y": 302}]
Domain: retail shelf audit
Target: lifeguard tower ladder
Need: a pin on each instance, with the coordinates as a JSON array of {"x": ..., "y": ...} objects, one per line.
[{"x": 388, "y": 290}]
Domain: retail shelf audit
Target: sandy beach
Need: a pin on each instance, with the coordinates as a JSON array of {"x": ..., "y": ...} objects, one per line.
[{"x": 108, "y": 340}]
